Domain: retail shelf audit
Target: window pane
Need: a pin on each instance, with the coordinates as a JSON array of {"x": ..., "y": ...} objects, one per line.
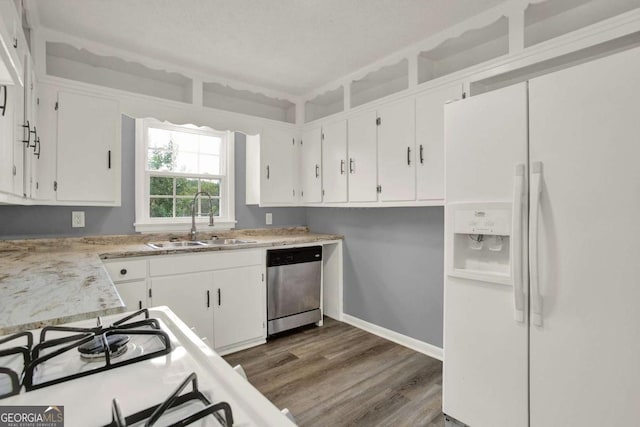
[
  {"x": 183, "y": 207},
  {"x": 186, "y": 162},
  {"x": 160, "y": 186},
  {"x": 205, "y": 206},
  {"x": 186, "y": 186},
  {"x": 160, "y": 208},
  {"x": 210, "y": 164},
  {"x": 159, "y": 138},
  {"x": 187, "y": 142},
  {"x": 211, "y": 186},
  {"x": 210, "y": 145},
  {"x": 160, "y": 160}
]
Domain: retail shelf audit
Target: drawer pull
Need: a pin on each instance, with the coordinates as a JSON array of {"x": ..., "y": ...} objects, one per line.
[{"x": 123, "y": 271}]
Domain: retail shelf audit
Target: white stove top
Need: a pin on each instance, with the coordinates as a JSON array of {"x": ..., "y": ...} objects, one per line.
[{"x": 87, "y": 401}]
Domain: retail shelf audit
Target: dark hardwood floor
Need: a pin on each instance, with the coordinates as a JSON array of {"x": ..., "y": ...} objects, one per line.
[{"x": 338, "y": 375}]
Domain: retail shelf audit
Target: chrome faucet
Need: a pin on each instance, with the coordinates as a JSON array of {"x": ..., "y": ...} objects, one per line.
[{"x": 193, "y": 213}]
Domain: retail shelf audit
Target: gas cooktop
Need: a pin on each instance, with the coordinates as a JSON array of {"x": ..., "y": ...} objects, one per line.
[{"x": 143, "y": 367}]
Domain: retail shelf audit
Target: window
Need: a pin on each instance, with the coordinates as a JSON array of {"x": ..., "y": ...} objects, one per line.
[{"x": 173, "y": 164}]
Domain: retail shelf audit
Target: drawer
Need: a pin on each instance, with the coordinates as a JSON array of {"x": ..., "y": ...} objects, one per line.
[
  {"x": 196, "y": 262},
  {"x": 124, "y": 270}
]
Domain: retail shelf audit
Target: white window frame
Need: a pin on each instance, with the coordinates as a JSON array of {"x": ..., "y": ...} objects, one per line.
[{"x": 144, "y": 223}]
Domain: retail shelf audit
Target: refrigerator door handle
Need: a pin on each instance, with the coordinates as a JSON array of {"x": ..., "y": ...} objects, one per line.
[
  {"x": 518, "y": 288},
  {"x": 536, "y": 189}
]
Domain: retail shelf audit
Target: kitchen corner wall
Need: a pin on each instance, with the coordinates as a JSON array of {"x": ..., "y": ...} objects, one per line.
[
  {"x": 393, "y": 257},
  {"x": 393, "y": 266},
  {"x": 19, "y": 222}
]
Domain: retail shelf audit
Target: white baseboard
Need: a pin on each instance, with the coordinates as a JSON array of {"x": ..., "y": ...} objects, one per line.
[{"x": 412, "y": 343}]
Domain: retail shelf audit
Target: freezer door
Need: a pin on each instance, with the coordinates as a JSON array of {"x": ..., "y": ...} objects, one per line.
[
  {"x": 585, "y": 354},
  {"x": 485, "y": 364}
]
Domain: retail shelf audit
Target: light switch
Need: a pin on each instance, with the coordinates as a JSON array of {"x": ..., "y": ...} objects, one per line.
[
  {"x": 77, "y": 219},
  {"x": 269, "y": 218}
]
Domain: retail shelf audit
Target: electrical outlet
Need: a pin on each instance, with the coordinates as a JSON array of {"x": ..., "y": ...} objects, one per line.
[
  {"x": 77, "y": 219},
  {"x": 269, "y": 218}
]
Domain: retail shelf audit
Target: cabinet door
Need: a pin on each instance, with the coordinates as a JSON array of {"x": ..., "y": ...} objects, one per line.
[
  {"x": 239, "y": 313},
  {"x": 430, "y": 141},
  {"x": 277, "y": 158},
  {"x": 88, "y": 148},
  {"x": 396, "y": 151},
  {"x": 133, "y": 294},
  {"x": 362, "y": 165},
  {"x": 20, "y": 133},
  {"x": 7, "y": 101},
  {"x": 190, "y": 297},
  {"x": 30, "y": 109},
  {"x": 334, "y": 162},
  {"x": 311, "y": 159},
  {"x": 47, "y": 134}
]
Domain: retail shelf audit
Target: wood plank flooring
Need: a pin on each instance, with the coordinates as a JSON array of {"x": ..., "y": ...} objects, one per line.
[{"x": 338, "y": 375}]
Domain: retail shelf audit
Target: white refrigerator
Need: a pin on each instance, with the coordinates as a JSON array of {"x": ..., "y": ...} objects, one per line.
[{"x": 542, "y": 251}]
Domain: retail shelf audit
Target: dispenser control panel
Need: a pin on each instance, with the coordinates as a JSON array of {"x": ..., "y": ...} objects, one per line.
[{"x": 483, "y": 221}]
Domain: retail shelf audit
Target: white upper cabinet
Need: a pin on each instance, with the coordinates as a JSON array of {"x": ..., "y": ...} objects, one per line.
[
  {"x": 334, "y": 162},
  {"x": 311, "y": 165},
  {"x": 47, "y": 136},
  {"x": 88, "y": 149},
  {"x": 21, "y": 133},
  {"x": 396, "y": 151},
  {"x": 8, "y": 94},
  {"x": 430, "y": 141},
  {"x": 277, "y": 164},
  {"x": 362, "y": 160}
]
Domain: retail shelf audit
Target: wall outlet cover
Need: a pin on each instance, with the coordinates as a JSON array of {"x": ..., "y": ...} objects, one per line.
[
  {"x": 77, "y": 219},
  {"x": 269, "y": 218}
]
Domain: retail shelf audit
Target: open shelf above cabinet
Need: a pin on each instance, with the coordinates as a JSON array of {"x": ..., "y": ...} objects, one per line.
[
  {"x": 323, "y": 105},
  {"x": 380, "y": 83},
  {"x": 471, "y": 48},
  {"x": 227, "y": 98},
  {"x": 550, "y": 19},
  {"x": 69, "y": 62}
]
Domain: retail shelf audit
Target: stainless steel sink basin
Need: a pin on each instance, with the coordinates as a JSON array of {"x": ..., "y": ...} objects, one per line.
[
  {"x": 173, "y": 245},
  {"x": 197, "y": 243},
  {"x": 217, "y": 242}
]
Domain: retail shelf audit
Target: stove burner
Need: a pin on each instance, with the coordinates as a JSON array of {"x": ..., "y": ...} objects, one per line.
[{"x": 94, "y": 350}]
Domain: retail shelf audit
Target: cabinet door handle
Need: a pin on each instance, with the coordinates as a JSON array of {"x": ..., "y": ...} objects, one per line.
[
  {"x": 4, "y": 96},
  {"x": 28, "y": 127},
  {"x": 123, "y": 272},
  {"x": 341, "y": 167},
  {"x": 409, "y": 156},
  {"x": 139, "y": 305},
  {"x": 34, "y": 131},
  {"x": 109, "y": 159},
  {"x": 208, "y": 299},
  {"x": 15, "y": 42},
  {"x": 37, "y": 153},
  {"x": 219, "y": 297},
  {"x": 268, "y": 172},
  {"x": 352, "y": 166},
  {"x": 421, "y": 154},
  {"x": 317, "y": 171}
]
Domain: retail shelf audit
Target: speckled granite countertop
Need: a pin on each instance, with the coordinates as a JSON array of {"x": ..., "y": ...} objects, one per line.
[{"x": 55, "y": 281}]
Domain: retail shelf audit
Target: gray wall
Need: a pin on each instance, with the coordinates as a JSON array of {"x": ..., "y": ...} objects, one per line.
[
  {"x": 18, "y": 222},
  {"x": 393, "y": 266}
]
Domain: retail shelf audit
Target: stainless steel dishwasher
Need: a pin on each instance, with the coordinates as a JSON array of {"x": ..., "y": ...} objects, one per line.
[{"x": 294, "y": 278}]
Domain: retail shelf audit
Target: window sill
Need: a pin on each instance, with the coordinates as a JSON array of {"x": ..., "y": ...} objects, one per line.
[{"x": 182, "y": 226}]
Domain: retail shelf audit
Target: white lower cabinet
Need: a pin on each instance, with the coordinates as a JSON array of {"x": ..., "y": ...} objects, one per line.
[
  {"x": 190, "y": 297},
  {"x": 133, "y": 294},
  {"x": 239, "y": 308},
  {"x": 221, "y": 295}
]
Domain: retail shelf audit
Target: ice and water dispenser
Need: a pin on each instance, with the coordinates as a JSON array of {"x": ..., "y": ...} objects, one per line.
[{"x": 480, "y": 241}]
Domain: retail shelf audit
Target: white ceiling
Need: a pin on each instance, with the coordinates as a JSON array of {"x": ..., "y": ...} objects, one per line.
[{"x": 292, "y": 46}]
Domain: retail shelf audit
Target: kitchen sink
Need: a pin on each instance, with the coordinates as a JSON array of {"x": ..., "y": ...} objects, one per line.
[
  {"x": 197, "y": 243},
  {"x": 217, "y": 242},
  {"x": 173, "y": 245}
]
